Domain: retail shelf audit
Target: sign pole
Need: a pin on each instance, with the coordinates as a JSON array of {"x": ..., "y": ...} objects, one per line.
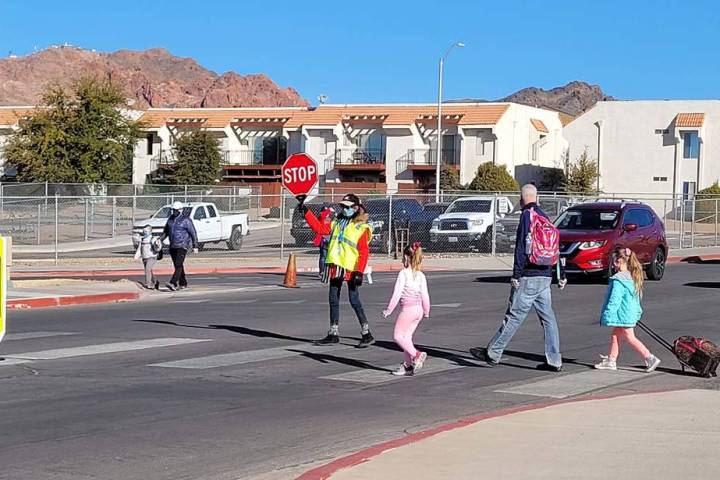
[{"x": 3, "y": 287}]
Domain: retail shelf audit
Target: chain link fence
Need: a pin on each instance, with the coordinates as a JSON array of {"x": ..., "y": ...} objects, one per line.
[{"x": 459, "y": 224}]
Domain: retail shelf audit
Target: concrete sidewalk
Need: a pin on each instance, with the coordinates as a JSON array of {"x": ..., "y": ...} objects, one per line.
[{"x": 646, "y": 436}]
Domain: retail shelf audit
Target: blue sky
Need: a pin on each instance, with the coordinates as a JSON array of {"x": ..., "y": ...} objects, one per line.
[{"x": 387, "y": 51}]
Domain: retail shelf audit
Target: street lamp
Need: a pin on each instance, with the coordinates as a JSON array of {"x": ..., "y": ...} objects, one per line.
[{"x": 439, "y": 122}]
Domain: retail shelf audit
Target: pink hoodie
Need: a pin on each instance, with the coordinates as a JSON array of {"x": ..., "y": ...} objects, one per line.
[{"x": 410, "y": 290}]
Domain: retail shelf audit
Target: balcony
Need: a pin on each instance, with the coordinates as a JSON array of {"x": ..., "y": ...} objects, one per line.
[
  {"x": 416, "y": 159},
  {"x": 359, "y": 159}
]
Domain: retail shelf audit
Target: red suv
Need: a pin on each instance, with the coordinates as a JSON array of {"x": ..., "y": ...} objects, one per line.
[{"x": 589, "y": 233}]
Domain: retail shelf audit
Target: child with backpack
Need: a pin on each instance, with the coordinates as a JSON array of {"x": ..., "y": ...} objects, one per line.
[
  {"x": 411, "y": 292},
  {"x": 150, "y": 251},
  {"x": 621, "y": 310}
]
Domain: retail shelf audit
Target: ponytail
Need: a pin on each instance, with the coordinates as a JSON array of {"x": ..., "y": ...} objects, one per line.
[
  {"x": 413, "y": 256},
  {"x": 634, "y": 267}
]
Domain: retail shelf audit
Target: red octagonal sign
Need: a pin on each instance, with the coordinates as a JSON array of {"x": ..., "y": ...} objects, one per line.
[{"x": 299, "y": 174}]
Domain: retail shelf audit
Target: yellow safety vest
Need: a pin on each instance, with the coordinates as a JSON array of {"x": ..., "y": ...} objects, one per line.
[{"x": 343, "y": 248}]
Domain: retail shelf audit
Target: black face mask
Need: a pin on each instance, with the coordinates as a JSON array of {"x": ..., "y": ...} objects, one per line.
[{"x": 175, "y": 213}]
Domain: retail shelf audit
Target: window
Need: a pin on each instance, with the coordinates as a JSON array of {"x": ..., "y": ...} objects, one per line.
[
  {"x": 688, "y": 190},
  {"x": 200, "y": 214},
  {"x": 662, "y": 131},
  {"x": 691, "y": 145},
  {"x": 660, "y": 179},
  {"x": 211, "y": 211},
  {"x": 149, "y": 147},
  {"x": 323, "y": 144},
  {"x": 587, "y": 219},
  {"x": 646, "y": 219},
  {"x": 479, "y": 146},
  {"x": 633, "y": 216}
]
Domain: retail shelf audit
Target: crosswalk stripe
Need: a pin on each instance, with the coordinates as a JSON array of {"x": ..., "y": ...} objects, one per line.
[
  {"x": 30, "y": 335},
  {"x": 446, "y": 305},
  {"x": 564, "y": 386},
  {"x": 104, "y": 348},
  {"x": 6, "y": 362},
  {"x": 374, "y": 377},
  {"x": 249, "y": 356}
]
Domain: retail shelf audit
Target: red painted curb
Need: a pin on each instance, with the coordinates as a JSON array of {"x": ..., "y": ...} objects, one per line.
[
  {"x": 693, "y": 258},
  {"x": 44, "y": 302},
  {"x": 324, "y": 472}
]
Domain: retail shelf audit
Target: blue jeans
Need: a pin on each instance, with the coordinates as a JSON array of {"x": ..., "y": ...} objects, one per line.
[
  {"x": 353, "y": 296},
  {"x": 532, "y": 292}
]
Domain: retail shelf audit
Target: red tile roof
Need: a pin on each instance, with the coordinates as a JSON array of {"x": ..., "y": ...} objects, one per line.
[
  {"x": 690, "y": 120},
  {"x": 539, "y": 125}
]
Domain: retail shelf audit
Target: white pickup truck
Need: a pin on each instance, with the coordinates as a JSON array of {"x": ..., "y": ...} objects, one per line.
[
  {"x": 211, "y": 226},
  {"x": 468, "y": 223}
]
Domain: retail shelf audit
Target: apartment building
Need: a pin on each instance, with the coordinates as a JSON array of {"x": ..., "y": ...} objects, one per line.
[
  {"x": 381, "y": 148},
  {"x": 8, "y": 123},
  {"x": 655, "y": 146}
]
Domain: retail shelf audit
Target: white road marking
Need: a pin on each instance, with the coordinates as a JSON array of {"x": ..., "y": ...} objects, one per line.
[
  {"x": 12, "y": 361},
  {"x": 564, "y": 386},
  {"x": 189, "y": 301},
  {"x": 29, "y": 335},
  {"x": 446, "y": 305},
  {"x": 233, "y": 302},
  {"x": 103, "y": 348},
  {"x": 249, "y": 356},
  {"x": 290, "y": 302},
  {"x": 374, "y": 377}
]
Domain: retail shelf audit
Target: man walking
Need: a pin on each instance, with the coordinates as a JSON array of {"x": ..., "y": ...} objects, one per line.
[
  {"x": 530, "y": 287},
  {"x": 181, "y": 232}
]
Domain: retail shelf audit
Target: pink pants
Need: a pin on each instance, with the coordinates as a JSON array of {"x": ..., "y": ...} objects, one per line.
[
  {"x": 628, "y": 334},
  {"x": 405, "y": 326}
]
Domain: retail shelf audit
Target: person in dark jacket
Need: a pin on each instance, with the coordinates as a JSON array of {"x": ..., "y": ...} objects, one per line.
[
  {"x": 181, "y": 232},
  {"x": 530, "y": 287}
]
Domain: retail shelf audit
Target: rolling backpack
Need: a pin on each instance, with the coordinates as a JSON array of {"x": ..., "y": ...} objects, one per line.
[
  {"x": 699, "y": 354},
  {"x": 543, "y": 242}
]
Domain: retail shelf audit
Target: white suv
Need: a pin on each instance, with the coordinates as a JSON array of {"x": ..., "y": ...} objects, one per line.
[{"x": 468, "y": 223}]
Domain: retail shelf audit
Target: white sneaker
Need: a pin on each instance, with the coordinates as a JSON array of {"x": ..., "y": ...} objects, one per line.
[
  {"x": 419, "y": 361},
  {"x": 403, "y": 371},
  {"x": 651, "y": 363},
  {"x": 606, "y": 363}
]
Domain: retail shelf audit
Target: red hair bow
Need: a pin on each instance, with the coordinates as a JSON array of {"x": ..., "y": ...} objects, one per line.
[{"x": 416, "y": 245}]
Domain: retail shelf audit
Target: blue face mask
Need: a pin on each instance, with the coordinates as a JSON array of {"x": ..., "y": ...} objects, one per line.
[{"x": 348, "y": 211}]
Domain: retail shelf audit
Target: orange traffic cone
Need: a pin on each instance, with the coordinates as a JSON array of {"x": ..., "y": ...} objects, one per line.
[{"x": 291, "y": 273}]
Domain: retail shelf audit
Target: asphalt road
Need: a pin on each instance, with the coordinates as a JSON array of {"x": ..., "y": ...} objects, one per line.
[{"x": 227, "y": 385}]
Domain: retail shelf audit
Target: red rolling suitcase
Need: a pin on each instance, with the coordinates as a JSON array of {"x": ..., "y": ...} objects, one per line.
[{"x": 699, "y": 354}]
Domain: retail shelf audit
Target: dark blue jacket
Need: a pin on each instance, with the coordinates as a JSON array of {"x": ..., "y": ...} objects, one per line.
[
  {"x": 522, "y": 266},
  {"x": 181, "y": 232}
]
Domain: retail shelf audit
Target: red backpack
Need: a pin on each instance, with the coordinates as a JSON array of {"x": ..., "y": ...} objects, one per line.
[{"x": 543, "y": 240}]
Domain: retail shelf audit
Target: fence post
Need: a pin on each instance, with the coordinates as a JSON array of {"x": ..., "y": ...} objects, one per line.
[
  {"x": 134, "y": 207},
  {"x": 56, "y": 229},
  {"x": 38, "y": 222},
  {"x": 495, "y": 222},
  {"x": 390, "y": 225},
  {"x": 682, "y": 223},
  {"x": 86, "y": 219},
  {"x": 282, "y": 224},
  {"x": 114, "y": 214},
  {"x": 692, "y": 225},
  {"x": 716, "y": 222},
  {"x": 185, "y": 193}
]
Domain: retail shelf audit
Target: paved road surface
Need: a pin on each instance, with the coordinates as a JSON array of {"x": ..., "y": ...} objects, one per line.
[{"x": 227, "y": 386}]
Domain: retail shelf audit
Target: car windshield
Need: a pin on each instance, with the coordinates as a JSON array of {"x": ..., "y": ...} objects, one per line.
[
  {"x": 588, "y": 219},
  {"x": 166, "y": 211},
  {"x": 435, "y": 208},
  {"x": 461, "y": 206}
]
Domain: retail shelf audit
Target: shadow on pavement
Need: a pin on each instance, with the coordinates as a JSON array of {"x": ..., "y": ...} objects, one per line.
[
  {"x": 325, "y": 358},
  {"x": 173, "y": 324},
  {"x": 702, "y": 284},
  {"x": 259, "y": 333}
]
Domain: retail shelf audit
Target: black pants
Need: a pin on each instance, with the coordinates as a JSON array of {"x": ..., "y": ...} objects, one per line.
[
  {"x": 354, "y": 296},
  {"x": 178, "y": 259}
]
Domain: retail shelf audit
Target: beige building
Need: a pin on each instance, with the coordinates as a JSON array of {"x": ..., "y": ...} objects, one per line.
[
  {"x": 384, "y": 148},
  {"x": 656, "y": 146}
]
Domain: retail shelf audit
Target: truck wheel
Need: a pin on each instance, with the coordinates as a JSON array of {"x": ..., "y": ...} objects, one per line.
[
  {"x": 201, "y": 247},
  {"x": 236, "y": 239},
  {"x": 657, "y": 267}
]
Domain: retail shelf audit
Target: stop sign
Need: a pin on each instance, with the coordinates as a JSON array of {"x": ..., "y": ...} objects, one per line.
[{"x": 299, "y": 174}]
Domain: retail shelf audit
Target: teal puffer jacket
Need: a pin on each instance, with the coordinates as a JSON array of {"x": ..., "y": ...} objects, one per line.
[{"x": 622, "y": 303}]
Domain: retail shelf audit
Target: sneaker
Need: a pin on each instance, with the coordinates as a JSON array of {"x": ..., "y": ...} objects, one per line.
[
  {"x": 481, "y": 354},
  {"x": 606, "y": 363},
  {"x": 366, "y": 340},
  {"x": 418, "y": 361},
  {"x": 171, "y": 287},
  {"x": 329, "y": 339},
  {"x": 148, "y": 287},
  {"x": 183, "y": 287},
  {"x": 546, "y": 367},
  {"x": 157, "y": 285},
  {"x": 404, "y": 371},
  {"x": 651, "y": 363}
]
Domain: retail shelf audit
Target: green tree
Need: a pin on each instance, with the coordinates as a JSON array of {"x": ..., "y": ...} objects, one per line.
[
  {"x": 707, "y": 208},
  {"x": 76, "y": 136},
  {"x": 197, "y": 159},
  {"x": 493, "y": 178},
  {"x": 449, "y": 178},
  {"x": 582, "y": 175},
  {"x": 553, "y": 180}
]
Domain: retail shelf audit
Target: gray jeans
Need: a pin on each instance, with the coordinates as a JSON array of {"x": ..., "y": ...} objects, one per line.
[
  {"x": 149, "y": 264},
  {"x": 532, "y": 292}
]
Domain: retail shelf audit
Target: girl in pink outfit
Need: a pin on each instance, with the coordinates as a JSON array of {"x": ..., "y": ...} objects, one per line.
[{"x": 411, "y": 292}]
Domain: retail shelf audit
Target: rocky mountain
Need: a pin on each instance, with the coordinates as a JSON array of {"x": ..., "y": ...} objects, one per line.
[
  {"x": 573, "y": 98},
  {"x": 151, "y": 78}
]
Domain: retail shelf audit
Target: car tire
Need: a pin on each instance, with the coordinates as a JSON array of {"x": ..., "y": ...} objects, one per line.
[
  {"x": 656, "y": 270},
  {"x": 201, "y": 247},
  {"x": 485, "y": 245},
  {"x": 236, "y": 239}
]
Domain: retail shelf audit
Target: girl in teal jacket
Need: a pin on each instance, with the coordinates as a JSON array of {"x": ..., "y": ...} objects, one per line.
[{"x": 621, "y": 310}]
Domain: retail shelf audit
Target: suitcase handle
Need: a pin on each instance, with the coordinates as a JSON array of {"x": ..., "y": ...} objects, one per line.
[{"x": 655, "y": 336}]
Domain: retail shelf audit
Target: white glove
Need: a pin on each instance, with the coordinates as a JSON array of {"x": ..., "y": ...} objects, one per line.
[
  {"x": 515, "y": 283},
  {"x": 562, "y": 283},
  {"x": 195, "y": 250}
]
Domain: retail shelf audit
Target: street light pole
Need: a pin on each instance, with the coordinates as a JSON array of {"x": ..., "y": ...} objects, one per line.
[{"x": 438, "y": 147}]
